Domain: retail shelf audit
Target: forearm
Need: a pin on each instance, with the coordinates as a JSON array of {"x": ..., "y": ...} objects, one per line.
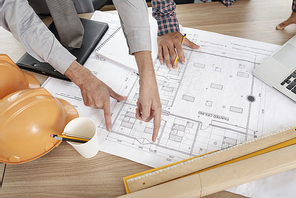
[{"x": 145, "y": 67}]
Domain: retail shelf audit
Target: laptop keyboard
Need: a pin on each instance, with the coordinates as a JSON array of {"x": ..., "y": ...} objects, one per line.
[{"x": 290, "y": 82}]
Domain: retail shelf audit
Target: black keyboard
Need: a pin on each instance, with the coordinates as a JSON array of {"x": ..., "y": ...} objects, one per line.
[{"x": 290, "y": 82}]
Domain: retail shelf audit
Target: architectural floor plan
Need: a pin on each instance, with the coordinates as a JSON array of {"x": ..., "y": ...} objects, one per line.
[{"x": 210, "y": 102}]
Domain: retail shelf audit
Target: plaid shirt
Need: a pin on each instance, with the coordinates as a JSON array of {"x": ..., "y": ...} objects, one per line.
[
  {"x": 164, "y": 12},
  {"x": 294, "y": 6}
]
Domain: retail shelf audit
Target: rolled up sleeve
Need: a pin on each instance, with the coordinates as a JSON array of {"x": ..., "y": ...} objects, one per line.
[{"x": 134, "y": 20}]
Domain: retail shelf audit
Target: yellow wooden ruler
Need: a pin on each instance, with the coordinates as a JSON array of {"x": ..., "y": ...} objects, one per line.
[{"x": 245, "y": 150}]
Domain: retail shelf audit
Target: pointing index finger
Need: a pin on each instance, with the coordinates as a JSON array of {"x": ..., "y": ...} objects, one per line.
[
  {"x": 156, "y": 122},
  {"x": 107, "y": 115}
]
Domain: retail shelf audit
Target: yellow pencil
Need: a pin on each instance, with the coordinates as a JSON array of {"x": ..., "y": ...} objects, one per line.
[
  {"x": 181, "y": 44},
  {"x": 71, "y": 135},
  {"x": 68, "y": 138}
]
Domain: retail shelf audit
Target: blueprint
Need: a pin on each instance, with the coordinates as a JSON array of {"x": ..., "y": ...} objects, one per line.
[{"x": 209, "y": 103}]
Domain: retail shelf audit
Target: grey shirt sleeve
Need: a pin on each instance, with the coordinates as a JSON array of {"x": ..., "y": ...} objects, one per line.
[
  {"x": 134, "y": 20},
  {"x": 19, "y": 18}
]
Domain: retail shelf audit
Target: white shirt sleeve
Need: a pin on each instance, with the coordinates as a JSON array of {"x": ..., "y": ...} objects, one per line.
[
  {"x": 134, "y": 20},
  {"x": 19, "y": 18}
]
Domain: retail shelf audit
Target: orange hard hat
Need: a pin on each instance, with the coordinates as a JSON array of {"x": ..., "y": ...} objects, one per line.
[
  {"x": 13, "y": 78},
  {"x": 27, "y": 119}
]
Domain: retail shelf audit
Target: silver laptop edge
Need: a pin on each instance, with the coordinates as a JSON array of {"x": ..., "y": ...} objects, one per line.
[{"x": 276, "y": 68}]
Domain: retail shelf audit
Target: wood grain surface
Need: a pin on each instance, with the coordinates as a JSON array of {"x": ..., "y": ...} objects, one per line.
[{"x": 64, "y": 173}]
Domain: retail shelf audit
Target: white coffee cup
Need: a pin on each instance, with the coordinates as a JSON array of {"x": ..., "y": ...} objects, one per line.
[{"x": 84, "y": 127}]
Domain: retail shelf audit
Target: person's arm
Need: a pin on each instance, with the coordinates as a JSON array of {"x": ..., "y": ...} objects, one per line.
[
  {"x": 135, "y": 24},
  {"x": 169, "y": 36},
  {"x": 20, "y": 19},
  {"x": 149, "y": 105},
  {"x": 290, "y": 20}
]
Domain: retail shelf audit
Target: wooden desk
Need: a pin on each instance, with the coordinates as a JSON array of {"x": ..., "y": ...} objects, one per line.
[{"x": 64, "y": 173}]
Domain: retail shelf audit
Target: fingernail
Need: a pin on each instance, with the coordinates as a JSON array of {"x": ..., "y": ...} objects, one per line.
[
  {"x": 183, "y": 62},
  {"x": 109, "y": 128},
  {"x": 169, "y": 66}
]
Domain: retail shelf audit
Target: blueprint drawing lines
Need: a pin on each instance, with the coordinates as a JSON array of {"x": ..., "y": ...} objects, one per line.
[{"x": 207, "y": 103}]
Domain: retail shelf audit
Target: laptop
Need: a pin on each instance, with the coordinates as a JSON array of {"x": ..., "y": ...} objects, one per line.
[
  {"x": 279, "y": 70},
  {"x": 93, "y": 32}
]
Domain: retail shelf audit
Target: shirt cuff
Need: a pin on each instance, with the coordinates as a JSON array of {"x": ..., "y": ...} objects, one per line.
[
  {"x": 139, "y": 40},
  {"x": 48, "y": 50},
  {"x": 61, "y": 59}
]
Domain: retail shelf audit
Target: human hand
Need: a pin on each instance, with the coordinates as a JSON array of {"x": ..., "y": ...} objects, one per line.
[
  {"x": 289, "y": 21},
  {"x": 166, "y": 48},
  {"x": 149, "y": 105},
  {"x": 95, "y": 93}
]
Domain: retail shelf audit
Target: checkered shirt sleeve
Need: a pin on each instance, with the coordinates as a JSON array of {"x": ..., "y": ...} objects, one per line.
[
  {"x": 294, "y": 6},
  {"x": 164, "y": 12}
]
